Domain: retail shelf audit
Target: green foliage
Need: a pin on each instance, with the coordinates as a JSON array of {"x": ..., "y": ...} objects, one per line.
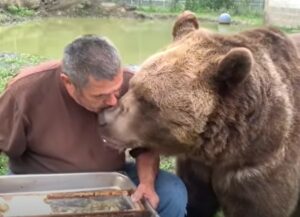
[
  {"x": 167, "y": 163},
  {"x": 11, "y": 63},
  {"x": 176, "y": 6},
  {"x": 3, "y": 164},
  {"x": 290, "y": 30},
  {"x": 160, "y": 10},
  {"x": 20, "y": 11},
  {"x": 243, "y": 8},
  {"x": 219, "y": 214},
  {"x": 208, "y": 4},
  {"x": 192, "y": 5},
  {"x": 253, "y": 19}
]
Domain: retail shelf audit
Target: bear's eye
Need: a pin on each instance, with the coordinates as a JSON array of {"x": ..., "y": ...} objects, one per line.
[{"x": 147, "y": 105}]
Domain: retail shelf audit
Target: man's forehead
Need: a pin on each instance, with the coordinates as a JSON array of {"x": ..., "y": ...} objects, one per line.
[{"x": 105, "y": 86}]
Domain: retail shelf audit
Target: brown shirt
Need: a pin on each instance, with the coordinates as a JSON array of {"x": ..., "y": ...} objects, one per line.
[{"x": 43, "y": 130}]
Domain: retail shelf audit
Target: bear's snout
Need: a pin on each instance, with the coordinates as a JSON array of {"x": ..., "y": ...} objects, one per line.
[
  {"x": 107, "y": 116},
  {"x": 101, "y": 119}
]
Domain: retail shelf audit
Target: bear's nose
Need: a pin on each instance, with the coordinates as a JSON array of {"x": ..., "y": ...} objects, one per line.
[{"x": 108, "y": 115}]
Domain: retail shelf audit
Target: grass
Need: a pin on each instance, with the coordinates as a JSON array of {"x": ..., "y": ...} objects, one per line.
[
  {"x": 14, "y": 14},
  {"x": 249, "y": 18},
  {"x": 158, "y": 10},
  {"x": 290, "y": 30},
  {"x": 167, "y": 163},
  {"x": 11, "y": 63},
  {"x": 3, "y": 164},
  {"x": 254, "y": 19}
]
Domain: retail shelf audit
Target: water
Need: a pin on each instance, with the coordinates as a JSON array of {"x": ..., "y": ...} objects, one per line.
[{"x": 135, "y": 39}]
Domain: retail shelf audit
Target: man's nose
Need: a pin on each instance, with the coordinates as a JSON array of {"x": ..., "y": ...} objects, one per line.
[{"x": 111, "y": 100}]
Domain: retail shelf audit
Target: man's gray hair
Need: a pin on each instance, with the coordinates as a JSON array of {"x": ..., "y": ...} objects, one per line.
[{"x": 90, "y": 55}]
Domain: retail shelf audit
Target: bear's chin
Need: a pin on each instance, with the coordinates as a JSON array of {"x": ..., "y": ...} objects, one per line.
[
  {"x": 116, "y": 144},
  {"x": 113, "y": 143}
]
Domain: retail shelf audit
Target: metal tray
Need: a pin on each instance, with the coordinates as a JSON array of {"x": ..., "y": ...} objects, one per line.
[{"x": 25, "y": 194}]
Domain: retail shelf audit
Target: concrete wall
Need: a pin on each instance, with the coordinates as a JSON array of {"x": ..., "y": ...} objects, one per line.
[{"x": 285, "y": 13}]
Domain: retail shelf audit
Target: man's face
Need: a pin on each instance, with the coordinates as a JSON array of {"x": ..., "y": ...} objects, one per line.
[{"x": 97, "y": 94}]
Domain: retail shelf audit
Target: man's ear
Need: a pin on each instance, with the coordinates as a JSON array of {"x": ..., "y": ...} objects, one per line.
[
  {"x": 185, "y": 23},
  {"x": 67, "y": 82},
  {"x": 233, "y": 69},
  {"x": 65, "y": 79}
]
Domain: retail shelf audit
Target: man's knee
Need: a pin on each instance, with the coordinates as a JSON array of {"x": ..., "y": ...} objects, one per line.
[{"x": 172, "y": 191}]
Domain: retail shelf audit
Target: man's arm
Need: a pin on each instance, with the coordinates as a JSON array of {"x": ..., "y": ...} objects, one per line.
[
  {"x": 147, "y": 164},
  {"x": 147, "y": 161},
  {"x": 12, "y": 127}
]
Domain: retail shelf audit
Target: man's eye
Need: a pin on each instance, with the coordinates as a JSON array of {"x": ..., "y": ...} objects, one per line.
[
  {"x": 104, "y": 96},
  {"x": 100, "y": 96}
]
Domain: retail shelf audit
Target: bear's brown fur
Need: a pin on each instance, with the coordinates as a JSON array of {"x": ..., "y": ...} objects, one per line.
[
  {"x": 296, "y": 39},
  {"x": 229, "y": 107}
]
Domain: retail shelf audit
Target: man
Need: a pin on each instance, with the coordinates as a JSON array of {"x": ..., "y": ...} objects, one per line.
[{"x": 48, "y": 116}]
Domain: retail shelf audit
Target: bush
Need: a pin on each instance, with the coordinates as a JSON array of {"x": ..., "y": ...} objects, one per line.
[
  {"x": 20, "y": 11},
  {"x": 3, "y": 164},
  {"x": 167, "y": 163},
  {"x": 209, "y": 4},
  {"x": 11, "y": 63}
]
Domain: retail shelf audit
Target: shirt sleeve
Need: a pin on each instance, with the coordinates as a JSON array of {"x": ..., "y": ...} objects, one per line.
[{"x": 12, "y": 127}]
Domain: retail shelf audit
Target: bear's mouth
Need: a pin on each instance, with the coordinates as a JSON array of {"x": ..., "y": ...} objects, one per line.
[{"x": 113, "y": 143}]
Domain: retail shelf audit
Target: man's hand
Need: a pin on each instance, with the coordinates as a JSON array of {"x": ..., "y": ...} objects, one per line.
[
  {"x": 147, "y": 169},
  {"x": 147, "y": 192}
]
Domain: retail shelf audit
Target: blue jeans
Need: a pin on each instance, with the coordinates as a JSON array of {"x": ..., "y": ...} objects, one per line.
[{"x": 170, "y": 189}]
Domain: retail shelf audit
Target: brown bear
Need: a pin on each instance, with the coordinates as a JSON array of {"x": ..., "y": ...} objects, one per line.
[{"x": 228, "y": 107}]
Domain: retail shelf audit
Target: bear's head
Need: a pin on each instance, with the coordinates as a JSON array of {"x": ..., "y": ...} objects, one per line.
[{"x": 200, "y": 92}]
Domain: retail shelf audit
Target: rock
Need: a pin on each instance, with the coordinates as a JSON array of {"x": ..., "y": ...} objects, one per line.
[
  {"x": 3, "y": 16},
  {"x": 122, "y": 10},
  {"x": 31, "y": 4},
  {"x": 224, "y": 18},
  {"x": 56, "y": 5},
  {"x": 130, "y": 8},
  {"x": 108, "y": 5}
]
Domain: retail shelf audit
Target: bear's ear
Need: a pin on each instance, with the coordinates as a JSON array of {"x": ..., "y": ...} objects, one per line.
[
  {"x": 185, "y": 23},
  {"x": 233, "y": 69}
]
